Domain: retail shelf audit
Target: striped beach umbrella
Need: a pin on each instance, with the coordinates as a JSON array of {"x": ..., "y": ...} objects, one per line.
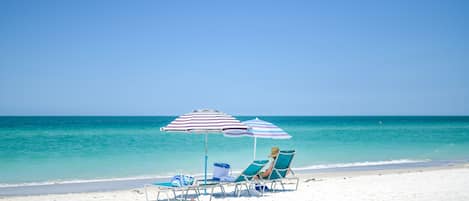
[
  {"x": 258, "y": 129},
  {"x": 206, "y": 122}
]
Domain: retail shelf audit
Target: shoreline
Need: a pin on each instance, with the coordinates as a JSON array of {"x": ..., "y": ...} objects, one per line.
[
  {"x": 7, "y": 193},
  {"x": 389, "y": 164},
  {"x": 99, "y": 185},
  {"x": 418, "y": 184}
]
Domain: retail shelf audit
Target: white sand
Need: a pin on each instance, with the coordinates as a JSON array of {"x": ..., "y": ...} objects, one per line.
[{"x": 428, "y": 185}]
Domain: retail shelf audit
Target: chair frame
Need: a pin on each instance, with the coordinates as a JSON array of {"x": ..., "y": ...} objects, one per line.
[
  {"x": 238, "y": 185},
  {"x": 167, "y": 191},
  {"x": 198, "y": 186},
  {"x": 280, "y": 178}
]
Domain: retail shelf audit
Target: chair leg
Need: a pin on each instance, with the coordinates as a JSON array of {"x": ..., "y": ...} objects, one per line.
[
  {"x": 223, "y": 191},
  {"x": 235, "y": 189},
  {"x": 251, "y": 186},
  {"x": 157, "y": 196},
  {"x": 211, "y": 194},
  {"x": 183, "y": 192},
  {"x": 167, "y": 195},
  {"x": 239, "y": 190},
  {"x": 297, "y": 182},
  {"x": 187, "y": 193},
  {"x": 247, "y": 189},
  {"x": 283, "y": 186},
  {"x": 146, "y": 192},
  {"x": 197, "y": 193}
]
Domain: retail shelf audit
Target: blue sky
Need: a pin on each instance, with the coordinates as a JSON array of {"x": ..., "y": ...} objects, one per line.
[{"x": 242, "y": 57}]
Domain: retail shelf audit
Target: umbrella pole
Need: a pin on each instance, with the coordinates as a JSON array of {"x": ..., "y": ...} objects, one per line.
[
  {"x": 206, "y": 159},
  {"x": 254, "y": 155}
]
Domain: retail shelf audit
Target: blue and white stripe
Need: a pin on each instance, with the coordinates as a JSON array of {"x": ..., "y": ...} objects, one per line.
[{"x": 259, "y": 129}]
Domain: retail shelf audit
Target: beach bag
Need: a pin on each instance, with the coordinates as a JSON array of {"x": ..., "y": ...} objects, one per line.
[
  {"x": 220, "y": 170},
  {"x": 182, "y": 180}
]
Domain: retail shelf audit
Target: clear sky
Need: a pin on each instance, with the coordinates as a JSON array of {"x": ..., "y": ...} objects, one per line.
[{"x": 242, "y": 57}]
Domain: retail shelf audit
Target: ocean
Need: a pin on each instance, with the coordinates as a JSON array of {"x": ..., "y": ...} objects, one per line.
[{"x": 41, "y": 150}]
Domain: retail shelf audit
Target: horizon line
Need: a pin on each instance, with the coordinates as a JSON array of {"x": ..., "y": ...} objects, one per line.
[{"x": 248, "y": 115}]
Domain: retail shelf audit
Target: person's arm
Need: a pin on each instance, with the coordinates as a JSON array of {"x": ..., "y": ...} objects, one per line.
[{"x": 268, "y": 171}]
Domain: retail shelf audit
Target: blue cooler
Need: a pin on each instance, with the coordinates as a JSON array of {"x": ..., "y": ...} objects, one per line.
[{"x": 220, "y": 170}]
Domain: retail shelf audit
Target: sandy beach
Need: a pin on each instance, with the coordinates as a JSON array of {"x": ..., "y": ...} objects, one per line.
[
  {"x": 448, "y": 183},
  {"x": 218, "y": 101}
]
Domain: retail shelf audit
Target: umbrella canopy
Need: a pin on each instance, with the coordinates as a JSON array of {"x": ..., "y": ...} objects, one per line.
[
  {"x": 258, "y": 129},
  {"x": 204, "y": 121}
]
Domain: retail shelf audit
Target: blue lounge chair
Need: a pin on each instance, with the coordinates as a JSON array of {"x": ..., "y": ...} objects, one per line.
[
  {"x": 167, "y": 188},
  {"x": 281, "y": 169},
  {"x": 245, "y": 179}
]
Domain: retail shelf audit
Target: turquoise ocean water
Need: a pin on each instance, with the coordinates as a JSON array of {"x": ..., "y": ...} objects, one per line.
[{"x": 60, "y": 149}]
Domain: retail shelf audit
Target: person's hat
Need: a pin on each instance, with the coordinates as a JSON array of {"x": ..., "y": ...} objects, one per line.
[{"x": 274, "y": 152}]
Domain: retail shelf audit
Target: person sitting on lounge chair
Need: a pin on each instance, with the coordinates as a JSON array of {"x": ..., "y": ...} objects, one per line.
[{"x": 273, "y": 154}]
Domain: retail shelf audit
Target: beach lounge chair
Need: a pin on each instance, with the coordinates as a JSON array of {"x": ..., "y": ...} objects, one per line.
[
  {"x": 281, "y": 171},
  {"x": 167, "y": 188},
  {"x": 245, "y": 179}
]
